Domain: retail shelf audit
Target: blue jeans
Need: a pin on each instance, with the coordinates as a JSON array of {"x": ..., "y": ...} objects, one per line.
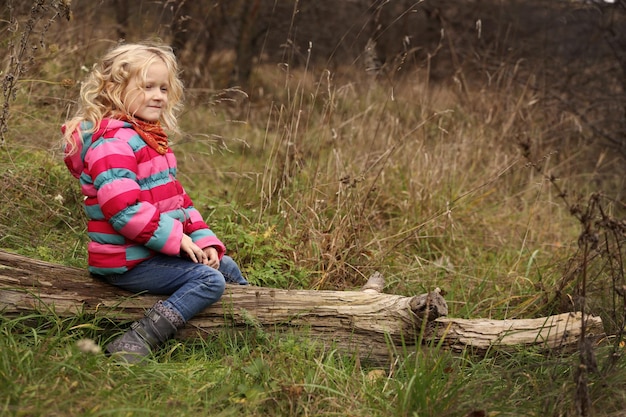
[{"x": 191, "y": 287}]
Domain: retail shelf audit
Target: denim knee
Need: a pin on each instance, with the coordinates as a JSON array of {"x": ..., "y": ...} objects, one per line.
[
  {"x": 205, "y": 288},
  {"x": 217, "y": 284},
  {"x": 230, "y": 270},
  {"x": 212, "y": 283}
]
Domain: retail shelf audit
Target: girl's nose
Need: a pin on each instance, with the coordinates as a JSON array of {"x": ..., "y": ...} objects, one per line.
[{"x": 159, "y": 95}]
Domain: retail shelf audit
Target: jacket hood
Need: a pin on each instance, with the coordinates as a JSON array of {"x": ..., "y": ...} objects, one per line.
[{"x": 82, "y": 138}]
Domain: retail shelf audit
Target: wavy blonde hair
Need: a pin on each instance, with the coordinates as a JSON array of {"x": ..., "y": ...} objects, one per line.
[{"x": 102, "y": 92}]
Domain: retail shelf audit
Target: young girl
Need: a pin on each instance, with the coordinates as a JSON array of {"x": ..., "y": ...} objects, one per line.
[{"x": 145, "y": 233}]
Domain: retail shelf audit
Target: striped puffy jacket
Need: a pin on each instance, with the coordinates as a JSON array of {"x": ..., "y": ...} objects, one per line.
[{"x": 135, "y": 205}]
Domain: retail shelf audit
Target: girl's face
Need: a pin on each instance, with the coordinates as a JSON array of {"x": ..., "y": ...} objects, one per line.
[{"x": 148, "y": 101}]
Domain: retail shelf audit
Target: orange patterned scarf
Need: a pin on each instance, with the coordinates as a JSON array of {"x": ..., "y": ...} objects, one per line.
[{"x": 152, "y": 133}]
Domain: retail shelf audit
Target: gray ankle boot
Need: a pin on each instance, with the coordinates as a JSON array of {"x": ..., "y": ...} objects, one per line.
[{"x": 159, "y": 325}]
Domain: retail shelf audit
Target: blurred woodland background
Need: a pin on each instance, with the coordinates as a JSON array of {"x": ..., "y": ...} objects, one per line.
[
  {"x": 548, "y": 76},
  {"x": 571, "y": 54}
]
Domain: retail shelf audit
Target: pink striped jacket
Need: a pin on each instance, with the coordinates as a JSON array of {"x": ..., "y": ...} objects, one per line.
[{"x": 135, "y": 205}]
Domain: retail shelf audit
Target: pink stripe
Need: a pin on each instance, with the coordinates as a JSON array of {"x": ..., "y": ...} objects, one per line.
[
  {"x": 106, "y": 249},
  {"x": 151, "y": 166},
  {"x": 112, "y": 147},
  {"x": 162, "y": 192},
  {"x": 124, "y": 133},
  {"x": 88, "y": 190},
  {"x": 169, "y": 204},
  {"x": 74, "y": 161},
  {"x": 212, "y": 241},
  {"x": 101, "y": 227},
  {"x": 117, "y": 188},
  {"x": 104, "y": 165},
  {"x": 105, "y": 260},
  {"x": 172, "y": 246},
  {"x": 138, "y": 223},
  {"x": 195, "y": 216}
]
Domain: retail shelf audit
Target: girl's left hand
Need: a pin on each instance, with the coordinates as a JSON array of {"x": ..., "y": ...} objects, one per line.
[{"x": 212, "y": 259}]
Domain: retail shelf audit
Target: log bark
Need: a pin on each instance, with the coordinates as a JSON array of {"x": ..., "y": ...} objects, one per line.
[{"x": 368, "y": 323}]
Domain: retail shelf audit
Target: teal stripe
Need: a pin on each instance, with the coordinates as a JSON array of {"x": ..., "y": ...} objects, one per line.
[
  {"x": 178, "y": 214},
  {"x": 87, "y": 139},
  {"x": 136, "y": 143},
  {"x": 85, "y": 179},
  {"x": 121, "y": 219},
  {"x": 154, "y": 180},
  {"x": 101, "y": 141},
  {"x": 161, "y": 234},
  {"x": 135, "y": 253},
  {"x": 107, "y": 271},
  {"x": 106, "y": 238},
  {"x": 201, "y": 233},
  {"x": 113, "y": 174},
  {"x": 85, "y": 125},
  {"x": 94, "y": 212}
]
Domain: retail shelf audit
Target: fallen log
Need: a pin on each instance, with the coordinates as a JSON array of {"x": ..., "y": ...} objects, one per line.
[
  {"x": 561, "y": 331},
  {"x": 374, "y": 325}
]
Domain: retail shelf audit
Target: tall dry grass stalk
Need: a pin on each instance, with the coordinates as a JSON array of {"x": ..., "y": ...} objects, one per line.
[{"x": 22, "y": 49}]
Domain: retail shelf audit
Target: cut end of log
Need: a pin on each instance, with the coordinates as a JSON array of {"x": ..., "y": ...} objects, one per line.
[{"x": 431, "y": 305}]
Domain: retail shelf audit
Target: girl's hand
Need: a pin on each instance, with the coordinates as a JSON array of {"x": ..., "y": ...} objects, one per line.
[
  {"x": 213, "y": 259},
  {"x": 193, "y": 251}
]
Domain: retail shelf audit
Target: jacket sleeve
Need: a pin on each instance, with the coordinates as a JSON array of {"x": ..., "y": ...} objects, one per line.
[
  {"x": 113, "y": 167},
  {"x": 198, "y": 230}
]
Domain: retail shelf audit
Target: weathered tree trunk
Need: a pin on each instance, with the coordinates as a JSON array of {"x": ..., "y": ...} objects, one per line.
[
  {"x": 245, "y": 42},
  {"x": 553, "y": 332},
  {"x": 121, "y": 18},
  {"x": 367, "y": 322}
]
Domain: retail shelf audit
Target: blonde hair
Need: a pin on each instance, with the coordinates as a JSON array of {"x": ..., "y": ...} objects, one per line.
[{"x": 102, "y": 93}]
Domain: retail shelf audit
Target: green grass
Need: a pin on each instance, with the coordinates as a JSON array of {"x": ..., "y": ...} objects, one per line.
[{"x": 45, "y": 371}]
